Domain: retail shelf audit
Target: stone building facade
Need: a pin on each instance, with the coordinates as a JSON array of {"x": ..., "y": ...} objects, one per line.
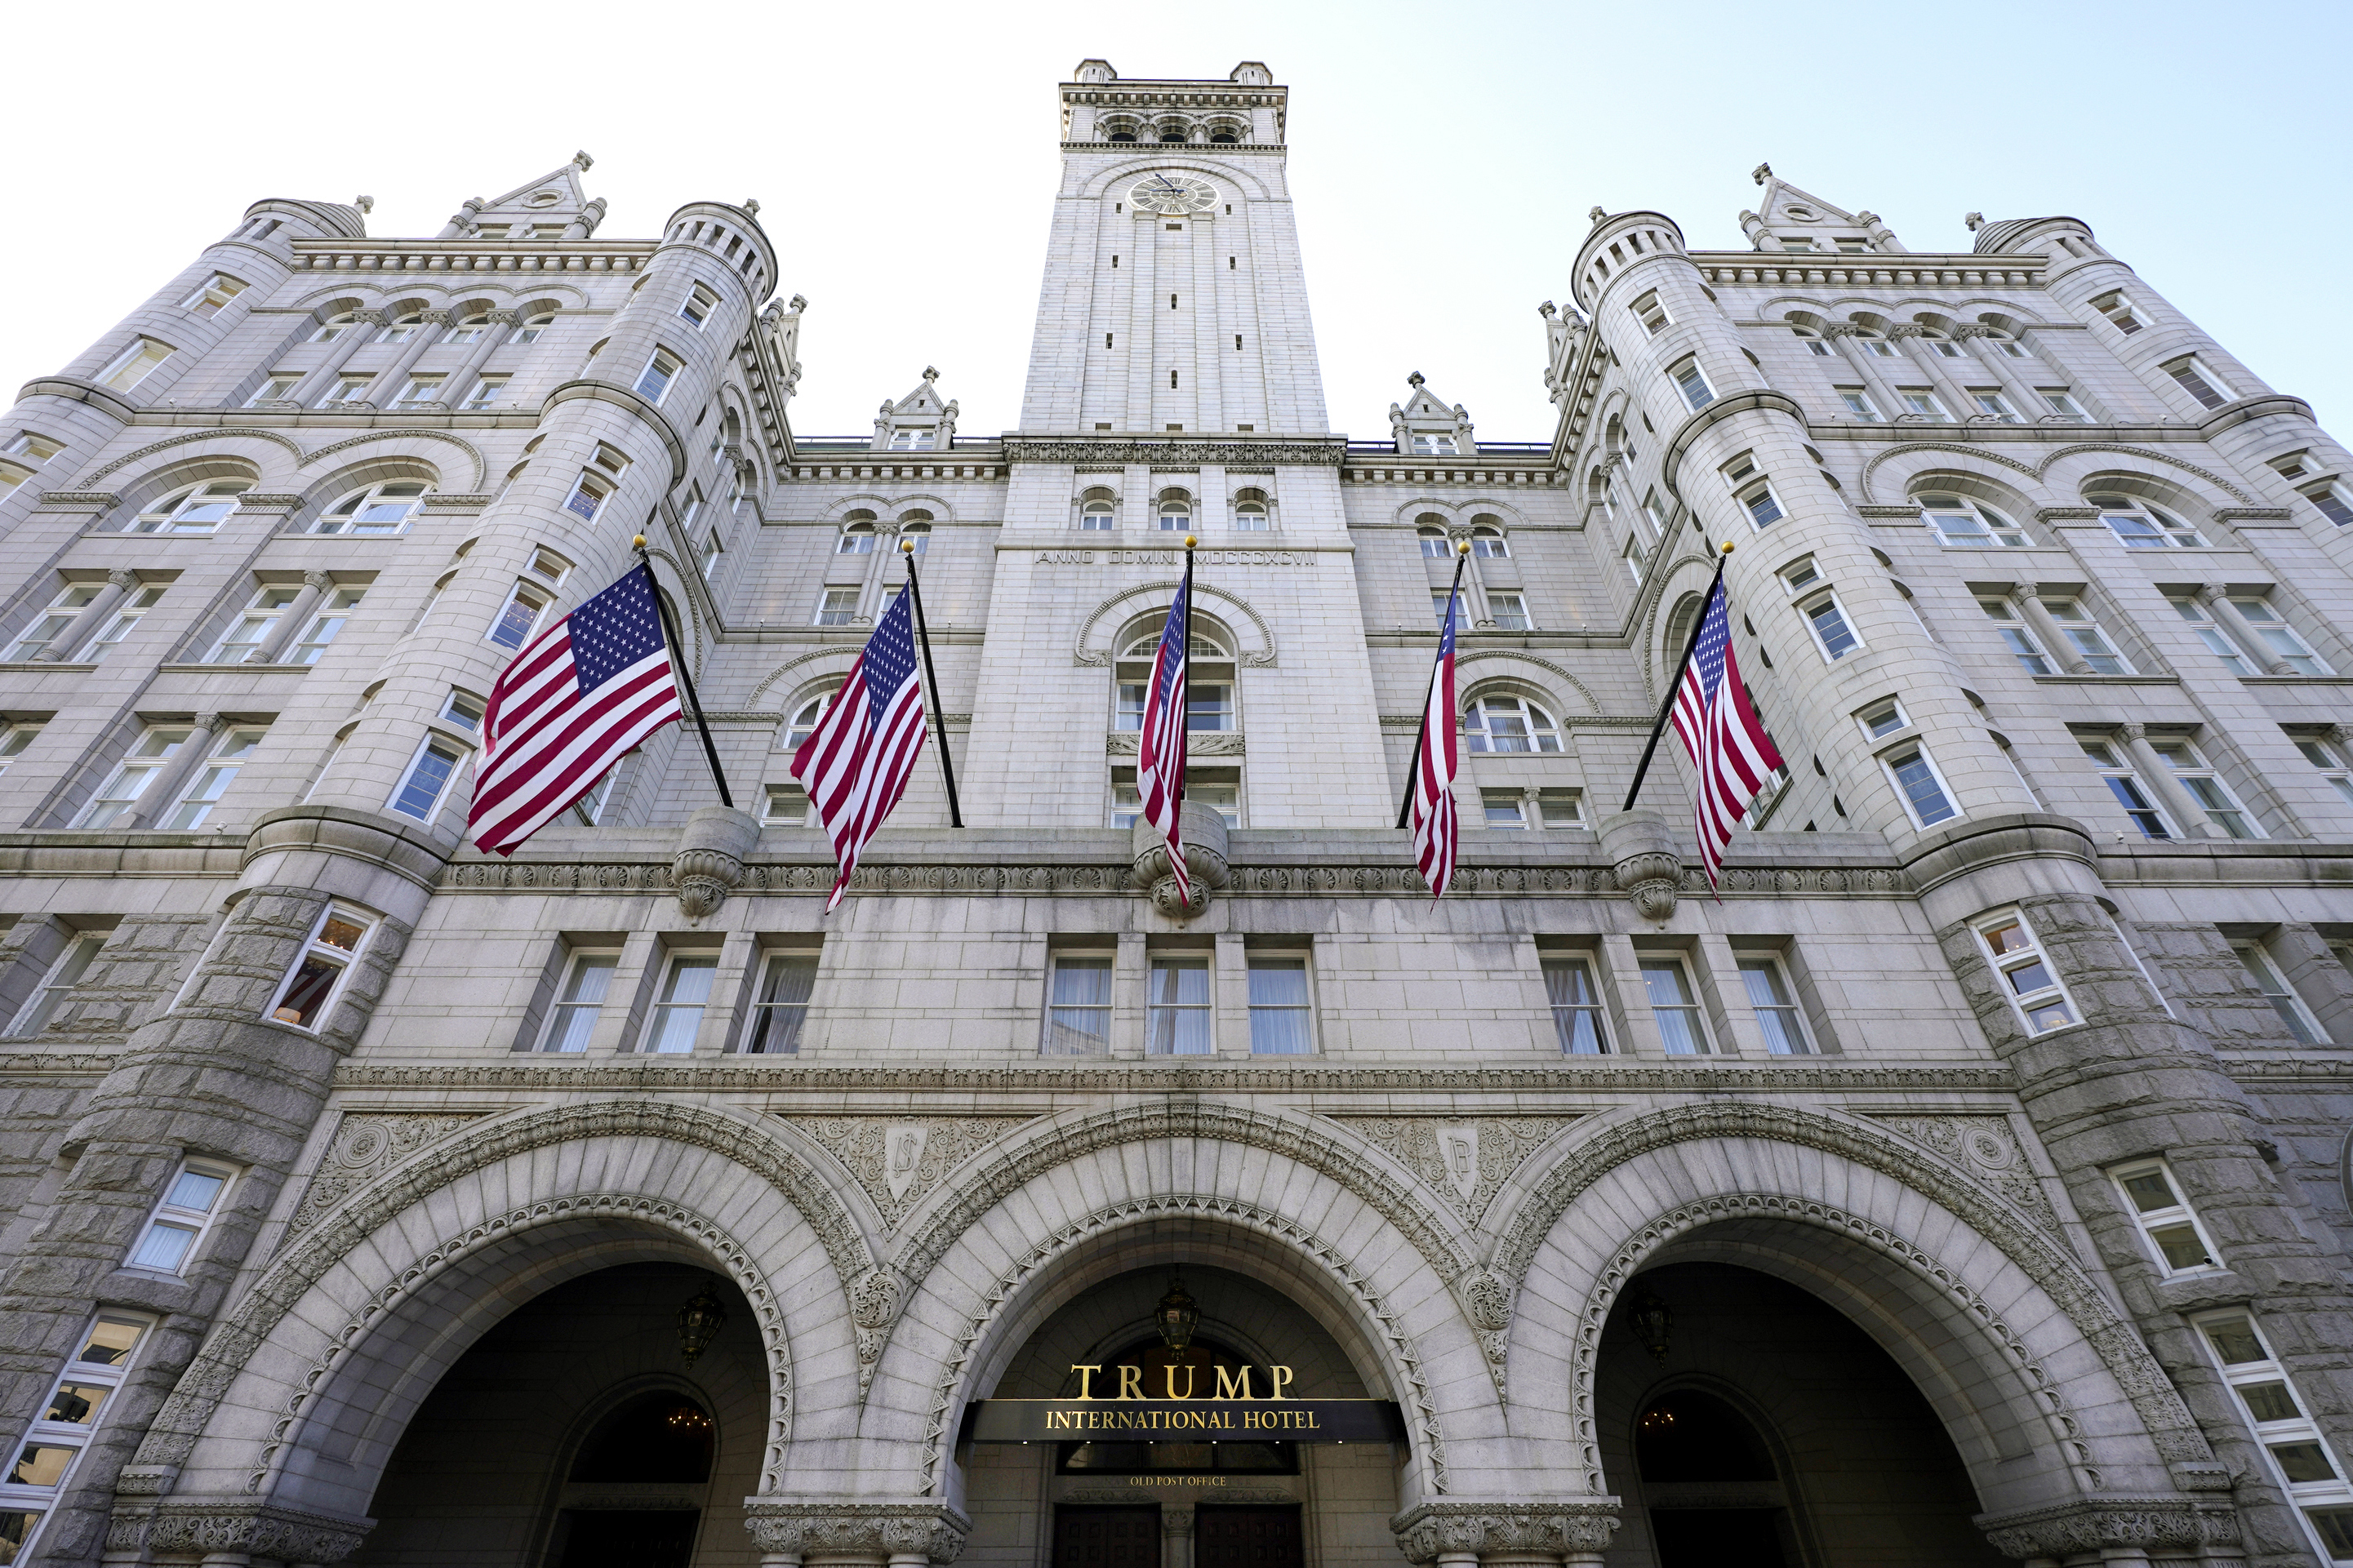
[{"x": 1967, "y": 1183}]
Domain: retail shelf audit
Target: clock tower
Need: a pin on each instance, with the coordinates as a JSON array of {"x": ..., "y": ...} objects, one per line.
[{"x": 1174, "y": 295}]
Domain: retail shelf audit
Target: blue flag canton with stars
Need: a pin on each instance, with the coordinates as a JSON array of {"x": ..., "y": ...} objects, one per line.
[
  {"x": 1715, "y": 636},
  {"x": 889, "y": 661},
  {"x": 1172, "y": 642},
  {"x": 1446, "y": 636},
  {"x": 618, "y": 628}
]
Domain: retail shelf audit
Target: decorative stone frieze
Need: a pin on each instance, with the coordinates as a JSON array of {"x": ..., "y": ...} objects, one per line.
[
  {"x": 2092, "y": 1524},
  {"x": 857, "y": 1527},
  {"x": 239, "y": 1526},
  {"x": 1569, "y": 1527},
  {"x": 1986, "y": 1148},
  {"x": 366, "y": 1144},
  {"x": 897, "y": 1159}
]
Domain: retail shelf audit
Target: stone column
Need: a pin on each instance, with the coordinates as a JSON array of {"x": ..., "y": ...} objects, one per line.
[
  {"x": 461, "y": 380},
  {"x": 2159, "y": 773},
  {"x": 1842, "y": 333},
  {"x": 292, "y": 619},
  {"x": 388, "y": 383},
  {"x": 303, "y": 391},
  {"x": 1459, "y": 1533},
  {"x": 2030, "y": 405},
  {"x": 2055, "y": 642},
  {"x": 117, "y": 584},
  {"x": 1932, "y": 365},
  {"x": 158, "y": 797},
  {"x": 1176, "y": 1536},
  {"x": 2235, "y": 626}
]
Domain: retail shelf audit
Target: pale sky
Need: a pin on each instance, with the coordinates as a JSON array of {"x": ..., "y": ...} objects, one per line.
[{"x": 1443, "y": 156}]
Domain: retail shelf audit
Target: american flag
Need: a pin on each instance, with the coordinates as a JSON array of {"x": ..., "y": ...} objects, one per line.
[
  {"x": 1436, "y": 829},
  {"x": 1160, "y": 749},
  {"x": 856, "y": 761},
  {"x": 1726, "y": 741},
  {"x": 577, "y": 699}
]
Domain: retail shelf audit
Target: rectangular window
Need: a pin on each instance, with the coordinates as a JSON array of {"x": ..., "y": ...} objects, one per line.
[
  {"x": 57, "y": 984},
  {"x": 2217, "y": 642},
  {"x": 462, "y": 709},
  {"x": 1434, "y": 446},
  {"x": 1561, "y": 808},
  {"x": 1510, "y": 612},
  {"x": 2118, "y": 310},
  {"x": 1764, "y": 507},
  {"x": 587, "y": 980},
  {"x": 13, "y": 738},
  {"x": 653, "y": 381},
  {"x": 787, "y": 807},
  {"x": 1176, "y": 1007},
  {"x": 119, "y": 798},
  {"x": 277, "y": 389},
  {"x": 420, "y": 391},
  {"x": 212, "y": 294},
  {"x": 1920, "y": 786},
  {"x": 135, "y": 364},
  {"x": 590, "y": 807},
  {"x": 1668, "y": 984},
  {"x": 1278, "y": 1019},
  {"x": 1882, "y": 719},
  {"x": 2014, "y": 635},
  {"x": 488, "y": 391},
  {"x": 2027, "y": 978},
  {"x": 2197, "y": 776},
  {"x": 244, "y": 637},
  {"x": 780, "y": 1007},
  {"x": 2199, "y": 382},
  {"x": 699, "y": 305},
  {"x": 1636, "y": 562},
  {"x": 2124, "y": 782},
  {"x": 2298, "y": 1450},
  {"x": 1650, "y": 313},
  {"x": 2063, "y": 404},
  {"x": 180, "y": 1221},
  {"x": 685, "y": 993},
  {"x": 1858, "y": 403},
  {"x": 325, "y": 626},
  {"x": 2324, "y": 754},
  {"x": 1209, "y": 706},
  {"x": 231, "y": 754},
  {"x": 2155, "y": 1202},
  {"x": 712, "y": 551},
  {"x": 2265, "y": 976},
  {"x": 839, "y": 607},
  {"x": 125, "y": 622},
  {"x": 53, "y": 623},
  {"x": 2279, "y": 640},
  {"x": 1577, "y": 1019},
  {"x": 519, "y": 616},
  {"x": 346, "y": 389},
  {"x": 1921, "y": 401},
  {"x": 70, "y": 1416},
  {"x": 1078, "y": 1006},
  {"x": 427, "y": 779},
  {"x": 1828, "y": 618},
  {"x": 1694, "y": 385},
  {"x": 588, "y": 493},
  {"x": 2335, "y": 501},
  {"x": 1992, "y": 405},
  {"x": 2075, "y": 622},
  {"x": 319, "y": 969},
  {"x": 1504, "y": 808},
  {"x": 1777, "y": 1010}
]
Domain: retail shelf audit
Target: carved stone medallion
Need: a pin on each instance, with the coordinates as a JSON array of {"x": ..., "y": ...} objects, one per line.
[
  {"x": 1985, "y": 1147},
  {"x": 1465, "y": 1159},
  {"x": 897, "y": 1159},
  {"x": 366, "y": 1145}
]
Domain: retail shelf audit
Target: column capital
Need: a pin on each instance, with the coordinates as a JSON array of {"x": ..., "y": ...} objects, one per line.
[
  {"x": 318, "y": 582},
  {"x": 2093, "y": 1524},
  {"x": 123, "y": 579},
  {"x": 1429, "y": 1530},
  {"x": 2136, "y": 731},
  {"x": 856, "y": 1527},
  {"x": 227, "y": 1529}
]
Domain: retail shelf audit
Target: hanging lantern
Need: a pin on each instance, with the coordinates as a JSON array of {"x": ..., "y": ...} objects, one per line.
[
  {"x": 699, "y": 1320},
  {"x": 1652, "y": 1323},
  {"x": 1176, "y": 1316}
]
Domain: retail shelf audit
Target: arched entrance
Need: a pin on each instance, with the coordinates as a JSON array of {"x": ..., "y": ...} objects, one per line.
[
  {"x": 1745, "y": 1420},
  {"x": 1231, "y": 1500},
  {"x": 577, "y": 1433}
]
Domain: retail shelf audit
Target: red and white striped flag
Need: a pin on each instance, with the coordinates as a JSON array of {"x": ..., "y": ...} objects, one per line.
[
  {"x": 578, "y": 697},
  {"x": 856, "y": 761},
  {"x": 1726, "y": 741},
  {"x": 1160, "y": 748},
  {"x": 1436, "y": 830}
]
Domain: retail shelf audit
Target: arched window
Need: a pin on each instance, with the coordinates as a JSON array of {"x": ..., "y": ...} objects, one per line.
[
  {"x": 1176, "y": 511},
  {"x": 2142, "y": 526},
  {"x": 1097, "y": 511},
  {"x": 384, "y": 507},
  {"x": 1812, "y": 340},
  {"x": 1489, "y": 542},
  {"x": 1249, "y": 511},
  {"x": 1961, "y": 520},
  {"x": 803, "y": 721},
  {"x": 1172, "y": 130},
  {"x": 529, "y": 331},
  {"x": 401, "y": 330},
  {"x": 1119, "y": 128},
  {"x": 1501, "y": 722},
  {"x": 1225, "y": 133},
  {"x": 1874, "y": 343},
  {"x": 915, "y": 529},
  {"x": 1203, "y": 647},
  {"x": 857, "y": 536},
  {"x": 1430, "y": 531},
  {"x": 334, "y": 327},
  {"x": 196, "y": 509}
]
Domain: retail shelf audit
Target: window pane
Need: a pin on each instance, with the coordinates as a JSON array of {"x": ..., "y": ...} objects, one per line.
[
  {"x": 40, "y": 1465},
  {"x": 111, "y": 1341},
  {"x": 2304, "y": 1462},
  {"x": 785, "y": 991},
  {"x": 77, "y": 1403},
  {"x": 2180, "y": 1245},
  {"x": 162, "y": 1247},
  {"x": 684, "y": 993},
  {"x": 307, "y": 992},
  {"x": 2269, "y": 1401},
  {"x": 195, "y": 1190},
  {"x": 1921, "y": 788},
  {"x": 2236, "y": 1342},
  {"x": 1178, "y": 1010}
]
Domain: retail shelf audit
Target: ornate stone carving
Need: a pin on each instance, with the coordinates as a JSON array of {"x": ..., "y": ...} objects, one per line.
[
  {"x": 857, "y": 1527},
  {"x": 1176, "y": 453},
  {"x": 897, "y": 1159},
  {"x": 1985, "y": 1147},
  {"x": 1554, "y": 1529},
  {"x": 202, "y": 1526},
  {"x": 1423, "y": 1408},
  {"x": 1465, "y": 1159},
  {"x": 1645, "y": 861},
  {"x": 709, "y": 863},
  {"x": 366, "y": 1144},
  {"x": 2087, "y": 1525}
]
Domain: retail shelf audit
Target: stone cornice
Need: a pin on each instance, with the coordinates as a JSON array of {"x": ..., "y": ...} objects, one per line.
[
  {"x": 1321, "y": 451},
  {"x": 2085, "y": 1525},
  {"x": 364, "y": 258},
  {"x": 74, "y": 389},
  {"x": 863, "y": 1527},
  {"x": 797, "y": 1079},
  {"x": 1912, "y": 269},
  {"x": 609, "y": 391},
  {"x": 1179, "y": 150},
  {"x": 1524, "y": 1529},
  {"x": 1724, "y": 407}
]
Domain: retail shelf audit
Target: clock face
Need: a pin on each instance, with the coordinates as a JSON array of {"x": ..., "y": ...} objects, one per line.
[{"x": 1173, "y": 193}]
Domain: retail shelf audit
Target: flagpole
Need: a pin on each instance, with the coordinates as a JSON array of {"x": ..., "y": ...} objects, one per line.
[
  {"x": 1674, "y": 686},
  {"x": 1184, "y": 718},
  {"x": 678, "y": 663},
  {"x": 947, "y": 767},
  {"x": 1413, "y": 764}
]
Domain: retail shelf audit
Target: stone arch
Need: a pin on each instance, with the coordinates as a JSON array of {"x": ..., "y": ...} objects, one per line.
[
  {"x": 1508, "y": 658},
  {"x": 1104, "y": 623},
  {"x": 792, "y": 669},
  {"x": 1656, "y": 612},
  {"x": 89, "y": 480},
  {"x": 473, "y": 453},
  {"x": 990, "y": 1335},
  {"x": 1153, "y": 158},
  {"x": 1997, "y": 1238},
  {"x": 2040, "y": 471},
  {"x": 365, "y": 1230}
]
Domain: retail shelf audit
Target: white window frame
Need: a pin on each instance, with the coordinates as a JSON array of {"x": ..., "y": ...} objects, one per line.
[
  {"x": 1434, "y": 444},
  {"x": 13, "y": 738},
  {"x": 123, "y": 621},
  {"x": 195, "y": 1223},
  {"x": 1651, "y": 312},
  {"x": 1692, "y": 1008},
  {"x": 1809, "y": 605},
  {"x": 1304, "y": 1009},
  {"x": 2318, "y": 750},
  {"x": 421, "y": 390},
  {"x": 589, "y": 493},
  {"x": 327, "y": 623},
  {"x": 832, "y": 614},
  {"x": 2173, "y": 1216},
  {"x": 1507, "y": 609},
  {"x": 700, "y": 301},
  {"x": 2062, "y": 401},
  {"x": 58, "y": 982},
  {"x": 663, "y": 368},
  {"x": 2332, "y": 501},
  {"x": 261, "y": 617},
  {"x": 2263, "y": 972},
  {"x": 1891, "y": 708},
  {"x": 150, "y": 766},
  {"x": 1098, "y": 516},
  {"x": 77, "y": 1437},
  {"x": 1982, "y": 526},
  {"x": 1176, "y": 1012},
  {"x": 273, "y": 389},
  {"x": 2123, "y": 779},
  {"x": 529, "y": 330},
  {"x": 672, "y": 1017},
  {"x": 1570, "y": 1018},
  {"x": 2204, "y": 783},
  {"x": 172, "y": 514},
  {"x": 487, "y": 391},
  {"x": 2041, "y": 1003},
  {"x": 53, "y": 623},
  {"x": 2085, "y": 636},
  {"x": 213, "y": 777},
  {"x": 2017, "y": 636},
  {"x": 1571, "y": 819},
  {"x": 1993, "y": 405},
  {"x": 785, "y": 803},
  {"x": 1691, "y": 383},
  {"x": 2117, "y": 307},
  {"x": 523, "y": 593},
  {"x": 219, "y": 284},
  {"x": 568, "y": 1005},
  {"x": 2211, "y": 633},
  {"x": 1924, "y": 402},
  {"x": 135, "y": 364},
  {"x": 345, "y": 389},
  {"x": 1893, "y": 759},
  {"x": 1058, "y": 1037},
  {"x": 2197, "y": 378},
  {"x": 329, "y": 954},
  {"x": 1779, "y": 1002},
  {"x": 2281, "y": 639},
  {"x": 2166, "y": 530},
  {"x": 2333, "y": 1498},
  {"x": 448, "y": 748},
  {"x": 778, "y": 1024},
  {"x": 1512, "y": 803},
  {"x": 1812, "y": 340},
  {"x": 857, "y": 539},
  {"x": 1538, "y": 733},
  {"x": 1859, "y": 404}
]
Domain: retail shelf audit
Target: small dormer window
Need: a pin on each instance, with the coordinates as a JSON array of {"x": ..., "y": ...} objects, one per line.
[
  {"x": 1854, "y": 247},
  {"x": 699, "y": 305},
  {"x": 1796, "y": 243},
  {"x": 913, "y": 438},
  {"x": 1433, "y": 444}
]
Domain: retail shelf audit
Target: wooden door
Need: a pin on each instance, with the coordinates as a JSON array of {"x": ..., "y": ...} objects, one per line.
[
  {"x": 1120, "y": 1537},
  {"x": 1231, "y": 1536}
]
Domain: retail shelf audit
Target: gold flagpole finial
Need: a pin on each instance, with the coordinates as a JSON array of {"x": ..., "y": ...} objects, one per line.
[
  {"x": 1462, "y": 547},
  {"x": 1727, "y": 547},
  {"x": 638, "y": 543},
  {"x": 1191, "y": 542},
  {"x": 906, "y": 547}
]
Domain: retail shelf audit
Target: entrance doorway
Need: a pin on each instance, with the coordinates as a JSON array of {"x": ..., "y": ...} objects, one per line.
[
  {"x": 1253, "y": 1537},
  {"x": 1122, "y": 1537}
]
